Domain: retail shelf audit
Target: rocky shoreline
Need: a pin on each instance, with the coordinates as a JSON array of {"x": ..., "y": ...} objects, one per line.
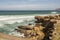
[{"x": 44, "y": 28}]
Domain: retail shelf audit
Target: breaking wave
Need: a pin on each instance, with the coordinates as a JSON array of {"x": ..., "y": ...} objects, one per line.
[{"x": 8, "y": 23}]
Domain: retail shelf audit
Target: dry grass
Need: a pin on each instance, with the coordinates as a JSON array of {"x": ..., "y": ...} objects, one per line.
[{"x": 56, "y": 33}]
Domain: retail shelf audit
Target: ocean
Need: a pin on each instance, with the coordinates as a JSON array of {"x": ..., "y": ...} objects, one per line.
[{"x": 9, "y": 20}]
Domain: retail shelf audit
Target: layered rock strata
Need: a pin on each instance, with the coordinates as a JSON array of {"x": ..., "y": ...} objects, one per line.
[{"x": 43, "y": 28}]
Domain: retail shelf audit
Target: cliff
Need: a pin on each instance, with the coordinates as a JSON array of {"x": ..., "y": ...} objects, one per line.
[
  {"x": 44, "y": 28},
  {"x": 58, "y": 9}
]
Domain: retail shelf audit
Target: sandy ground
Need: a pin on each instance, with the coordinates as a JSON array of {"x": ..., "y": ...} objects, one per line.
[
  {"x": 56, "y": 33},
  {"x": 8, "y": 37}
]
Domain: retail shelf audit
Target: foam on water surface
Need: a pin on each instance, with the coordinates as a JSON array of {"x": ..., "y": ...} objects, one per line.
[
  {"x": 9, "y": 22},
  {"x": 12, "y": 19}
]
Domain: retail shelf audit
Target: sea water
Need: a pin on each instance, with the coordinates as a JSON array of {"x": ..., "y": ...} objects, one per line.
[{"x": 10, "y": 20}]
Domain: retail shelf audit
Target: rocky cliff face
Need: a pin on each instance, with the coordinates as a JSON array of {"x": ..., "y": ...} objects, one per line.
[
  {"x": 58, "y": 9},
  {"x": 44, "y": 28}
]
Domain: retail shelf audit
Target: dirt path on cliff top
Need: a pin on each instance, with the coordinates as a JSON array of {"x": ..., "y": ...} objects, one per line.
[
  {"x": 56, "y": 33},
  {"x": 8, "y": 37}
]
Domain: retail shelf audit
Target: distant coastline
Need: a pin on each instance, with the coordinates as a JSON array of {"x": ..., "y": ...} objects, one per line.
[
  {"x": 58, "y": 9},
  {"x": 25, "y": 10}
]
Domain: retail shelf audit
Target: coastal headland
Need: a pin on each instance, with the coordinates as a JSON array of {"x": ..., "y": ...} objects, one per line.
[{"x": 44, "y": 28}]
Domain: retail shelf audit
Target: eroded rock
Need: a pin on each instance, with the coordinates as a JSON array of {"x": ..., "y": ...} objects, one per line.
[{"x": 43, "y": 28}]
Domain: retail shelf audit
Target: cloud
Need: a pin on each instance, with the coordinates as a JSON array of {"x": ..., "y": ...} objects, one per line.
[
  {"x": 27, "y": 7},
  {"x": 36, "y": 0},
  {"x": 24, "y": 0},
  {"x": 28, "y": 4}
]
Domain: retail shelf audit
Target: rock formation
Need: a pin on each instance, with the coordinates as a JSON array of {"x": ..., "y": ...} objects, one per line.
[
  {"x": 43, "y": 28},
  {"x": 58, "y": 9}
]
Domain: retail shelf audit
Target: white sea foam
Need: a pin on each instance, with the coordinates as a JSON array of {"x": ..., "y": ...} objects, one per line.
[
  {"x": 12, "y": 19},
  {"x": 15, "y": 33},
  {"x": 54, "y": 12}
]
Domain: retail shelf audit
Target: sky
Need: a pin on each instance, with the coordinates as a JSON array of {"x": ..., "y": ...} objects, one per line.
[{"x": 29, "y": 4}]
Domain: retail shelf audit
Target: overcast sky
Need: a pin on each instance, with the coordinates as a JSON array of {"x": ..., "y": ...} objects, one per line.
[{"x": 29, "y": 4}]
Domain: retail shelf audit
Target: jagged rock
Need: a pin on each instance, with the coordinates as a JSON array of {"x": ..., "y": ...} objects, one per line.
[
  {"x": 43, "y": 28},
  {"x": 25, "y": 27}
]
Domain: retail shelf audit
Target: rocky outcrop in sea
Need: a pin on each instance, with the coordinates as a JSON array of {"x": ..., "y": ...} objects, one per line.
[{"x": 44, "y": 28}]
